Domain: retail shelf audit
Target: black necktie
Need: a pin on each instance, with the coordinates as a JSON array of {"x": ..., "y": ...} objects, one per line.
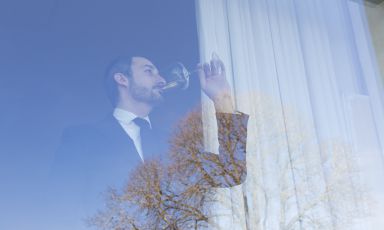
[{"x": 145, "y": 134}]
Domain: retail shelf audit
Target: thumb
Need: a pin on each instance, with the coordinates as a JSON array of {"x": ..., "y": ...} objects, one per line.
[{"x": 201, "y": 74}]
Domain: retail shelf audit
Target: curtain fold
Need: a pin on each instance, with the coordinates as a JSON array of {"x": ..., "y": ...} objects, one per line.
[{"x": 304, "y": 72}]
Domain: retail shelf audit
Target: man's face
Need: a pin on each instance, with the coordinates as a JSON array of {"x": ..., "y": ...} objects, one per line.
[{"x": 146, "y": 83}]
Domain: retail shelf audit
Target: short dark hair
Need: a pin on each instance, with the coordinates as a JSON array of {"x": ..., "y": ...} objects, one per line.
[{"x": 119, "y": 65}]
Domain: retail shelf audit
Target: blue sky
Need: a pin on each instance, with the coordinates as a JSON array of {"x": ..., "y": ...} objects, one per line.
[{"x": 53, "y": 55}]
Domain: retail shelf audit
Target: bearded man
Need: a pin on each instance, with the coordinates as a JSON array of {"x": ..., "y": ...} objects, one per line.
[{"x": 94, "y": 157}]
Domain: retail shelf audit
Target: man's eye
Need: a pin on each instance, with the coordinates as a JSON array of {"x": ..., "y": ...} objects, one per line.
[{"x": 148, "y": 71}]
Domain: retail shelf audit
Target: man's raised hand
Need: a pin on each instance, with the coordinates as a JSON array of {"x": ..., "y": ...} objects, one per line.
[{"x": 215, "y": 85}]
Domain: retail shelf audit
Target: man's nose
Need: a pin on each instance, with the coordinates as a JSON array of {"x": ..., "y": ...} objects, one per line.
[{"x": 161, "y": 80}]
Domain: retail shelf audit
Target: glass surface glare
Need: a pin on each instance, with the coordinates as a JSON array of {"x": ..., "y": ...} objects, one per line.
[{"x": 106, "y": 121}]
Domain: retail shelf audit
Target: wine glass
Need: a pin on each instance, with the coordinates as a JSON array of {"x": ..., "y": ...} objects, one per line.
[{"x": 177, "y": 77}]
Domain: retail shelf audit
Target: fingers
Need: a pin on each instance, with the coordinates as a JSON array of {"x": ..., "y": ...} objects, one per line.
[
  {"x": 217, "y": 67},
  {"x": 214, "y": 68},
  {"x": 217, "y": 63},
  {"x": 222, "y": 66},
  {"x": 207, "y": 69}
]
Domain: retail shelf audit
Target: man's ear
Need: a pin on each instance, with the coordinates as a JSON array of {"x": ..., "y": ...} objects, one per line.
[{"x": 121, "y": 79}]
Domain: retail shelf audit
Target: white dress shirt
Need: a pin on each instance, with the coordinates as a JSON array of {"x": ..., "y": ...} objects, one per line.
[{"x": 125, "y": 118}]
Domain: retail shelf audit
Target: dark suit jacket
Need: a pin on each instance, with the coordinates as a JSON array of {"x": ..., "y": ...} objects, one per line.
[
  {"x": 90, "y": 159},
  {"x": 93, "y": 157}
]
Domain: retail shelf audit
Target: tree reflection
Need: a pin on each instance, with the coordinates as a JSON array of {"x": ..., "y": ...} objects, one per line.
[{"x": 177, "y": 193}]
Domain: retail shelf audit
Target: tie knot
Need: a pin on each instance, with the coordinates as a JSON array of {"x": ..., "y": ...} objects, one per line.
[{"x": 142, "y": 123}]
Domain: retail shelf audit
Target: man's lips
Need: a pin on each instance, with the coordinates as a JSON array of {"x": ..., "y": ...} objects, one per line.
[{"x": 159, "y": 88}]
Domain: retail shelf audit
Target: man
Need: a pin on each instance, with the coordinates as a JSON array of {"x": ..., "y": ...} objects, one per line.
[{"x": 94, "y": 157}]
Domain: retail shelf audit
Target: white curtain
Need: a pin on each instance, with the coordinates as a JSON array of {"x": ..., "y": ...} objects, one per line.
[{"x": 304, "y": 72}]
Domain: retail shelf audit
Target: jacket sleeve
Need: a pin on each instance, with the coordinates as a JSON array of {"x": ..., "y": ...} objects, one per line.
[{"x": 228, "y": 168}]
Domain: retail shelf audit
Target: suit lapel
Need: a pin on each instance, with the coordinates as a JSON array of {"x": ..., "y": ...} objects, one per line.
[{"x": 118, "y": 140}]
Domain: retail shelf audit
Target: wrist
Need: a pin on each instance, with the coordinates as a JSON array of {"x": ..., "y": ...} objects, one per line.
[{"x": 224, "y": 104}]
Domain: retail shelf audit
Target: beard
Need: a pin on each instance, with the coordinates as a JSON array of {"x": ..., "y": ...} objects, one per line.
[{"x": 151, "y": 95}]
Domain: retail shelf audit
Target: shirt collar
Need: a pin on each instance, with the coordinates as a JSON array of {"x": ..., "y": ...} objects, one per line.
[{"x": 127, "y": 117}]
